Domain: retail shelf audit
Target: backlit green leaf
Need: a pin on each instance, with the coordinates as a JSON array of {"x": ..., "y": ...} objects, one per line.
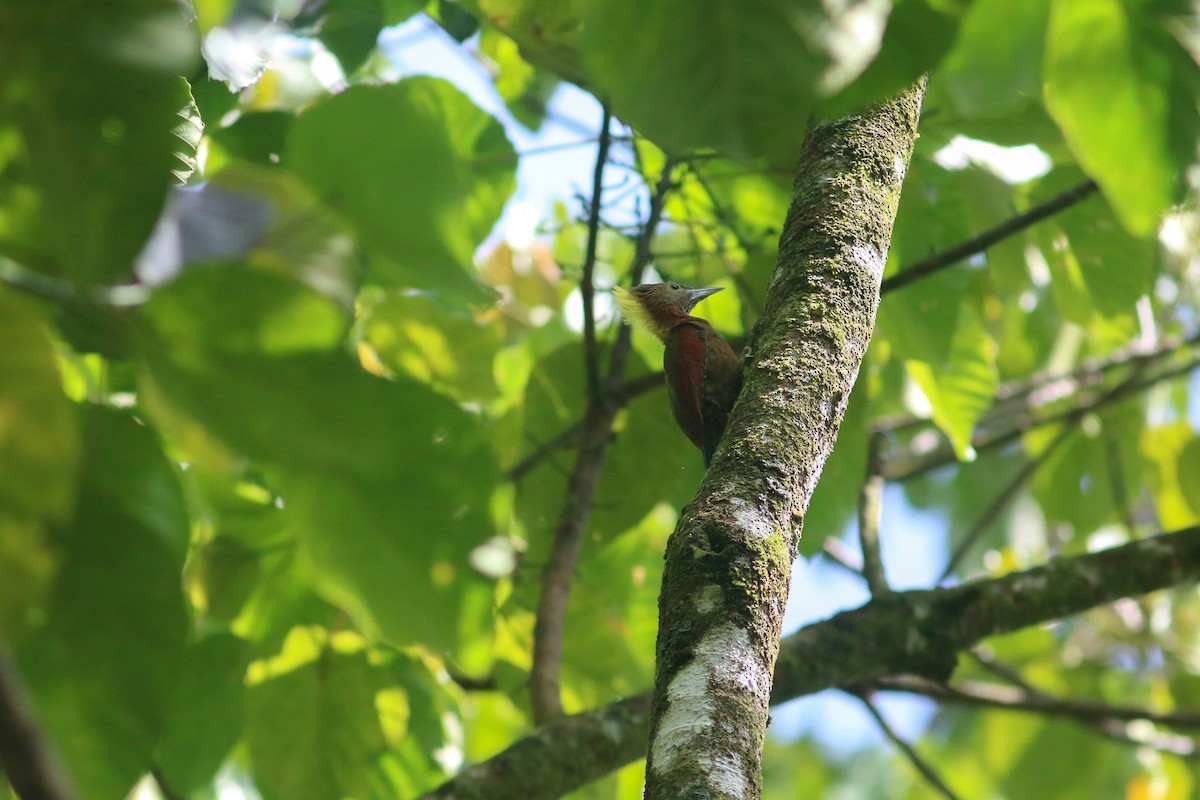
[
  {"x": 963, "y": 389},
  {"x": 1093, "y": 51},
  {"x": 421, "y": 171}
]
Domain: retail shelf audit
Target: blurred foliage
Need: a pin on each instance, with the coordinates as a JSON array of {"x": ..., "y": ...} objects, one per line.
[{"x": 282, "y": 449}]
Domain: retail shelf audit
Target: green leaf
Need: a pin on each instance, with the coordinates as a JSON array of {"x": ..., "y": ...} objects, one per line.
[
  {"x": 313, "y": 731},
  {"x": 1095, "y": 50},
  {"x": 995, "y": 66},
  {"x": 385, "y": 485},
  {"x": 448, "y": 350},
  {"x": 39, "y": 443},
  {"x": 1189, "y": 465},
  {"x": 740, "y": 77},
  {"x": 425, "y": 194},
  {"x": 963, "y": 389},
  {"x": 1165, "y": 450},
  {"x": 1117, "y": 268},
  {"x": 350, "y": 28},
  {"x": 526, "y": 90},
  {"x": 919, "y": 322},
  {"x": 918, "y": 34},
  {"x": 39, "y": 451},
  {"x": 102, "y": 668},
  {"x": 234, "y": 310},
  {"x": 206, "y": 713},
  {"x": 90, "y": 97},
  {"x": 255, "y": 137}
]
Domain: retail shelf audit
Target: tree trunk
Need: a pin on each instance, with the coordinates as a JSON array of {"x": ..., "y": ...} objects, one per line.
[{"x": 728, "y": 563}]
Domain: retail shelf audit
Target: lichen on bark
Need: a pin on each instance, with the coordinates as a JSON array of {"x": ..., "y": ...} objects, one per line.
[{"x": 717, "y": 649}]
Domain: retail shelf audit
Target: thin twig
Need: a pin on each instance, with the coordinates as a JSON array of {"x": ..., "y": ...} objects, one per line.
[
  {"x": 1000, "y": 502},
  {"x": 594, "y": 436},
  {"x": 1110, "y": 721},
  {"x": 587, "y": 288},
  {"x": 622, "y": 396},
  {"x": 1041, "y": 388},
  {"x": 870, "y": 505},
  {"x": 29, "y": 762},
  {"x": 841, "y": 555},
  {"x": 919, "y": 763},
  {"x": 1011, "y": 698},
  {"x": 977, "y": 244},
  {"x": 944, "y": 456},
  {"x": 641, "y": 260}
]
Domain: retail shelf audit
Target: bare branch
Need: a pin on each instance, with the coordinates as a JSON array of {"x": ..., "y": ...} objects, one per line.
[
  {"x": 1120, "y": 723},
  {"x": 912, "y": 465},
  {"x": 919, "y": 763},
  {"x": 593, "y": 439},
  {"x": 641, "y": 260},
  {"x": 870, "y": 506},
  {"x": 1012, "y": 698},
  {"x": 977, "y": 244},
  {"x": 622, "y": 396},
  {"x": 587, "y": 287},
  {"x": 1000, "y": 502}
]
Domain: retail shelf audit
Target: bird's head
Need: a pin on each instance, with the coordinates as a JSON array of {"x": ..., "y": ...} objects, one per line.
[{"x": 657, "y": 307}]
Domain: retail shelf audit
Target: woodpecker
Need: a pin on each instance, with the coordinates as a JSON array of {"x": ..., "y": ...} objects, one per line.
[{"x": 704, "y": 375}]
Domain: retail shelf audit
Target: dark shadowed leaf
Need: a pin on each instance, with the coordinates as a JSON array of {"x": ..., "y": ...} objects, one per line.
[
  {"x": 89, "y": 99},
  {"x": 103, "y": 667},
  {"x": 206, "y": 712}
]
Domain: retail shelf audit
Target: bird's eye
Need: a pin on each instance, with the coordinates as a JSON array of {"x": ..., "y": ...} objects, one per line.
[{"x": 674, "y": 285}]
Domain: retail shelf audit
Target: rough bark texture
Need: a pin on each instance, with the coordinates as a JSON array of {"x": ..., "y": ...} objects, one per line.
[
  {"x": 729, "y": 561},
  {"x": 917, "y": 632}
]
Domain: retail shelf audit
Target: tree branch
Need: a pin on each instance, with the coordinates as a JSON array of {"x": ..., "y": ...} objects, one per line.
[
  {"x": 1109, "y": 721},
  {"x": 622, "y": 396},
  {"x": 920, "y": 764},
  {"x": 1011, "y": 698},
  {"x": 587, "y": 287},
  {"x": 870, "y": 507},
  {"x": 977, "y": 244},
  {"x": 728, "y": 563},
  {"x": 902, "y": 633},
  {"x": 914, "y": 464},
  {"x": 594, "y": 435},
  {"x": 28, "y": 760}
]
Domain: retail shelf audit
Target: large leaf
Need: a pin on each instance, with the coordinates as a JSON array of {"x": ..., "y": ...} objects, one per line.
[
  {"x": 206, "y": 713},
  {"x": 421, "y": 171},
  {"x": 994, "y": 68},
  {"x": 1168, "y": 451},
  {"x": 39, "y": 448},
  {"x": 741, "y": 77},
  {"x": 963, "y": 388},
  {"x": 89, "y": 95},
  {"x": 313, "y": 730},
  {"x": 1093, "y": 51},
  {"x": 103, "y": 666},
  {"x": 386, "y": 485},
  {"x": 918, "y": 34}
]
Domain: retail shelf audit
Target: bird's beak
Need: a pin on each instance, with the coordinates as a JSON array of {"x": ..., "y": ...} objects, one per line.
[{"x": 696, "y": 295}]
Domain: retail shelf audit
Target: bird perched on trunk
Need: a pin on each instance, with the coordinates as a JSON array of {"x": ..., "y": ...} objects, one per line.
[{"x": 703, "y": 373}]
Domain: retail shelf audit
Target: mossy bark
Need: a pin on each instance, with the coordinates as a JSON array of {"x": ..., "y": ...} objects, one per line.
[
  {"x": 729, "y": 561},
  {"x": 900, "y": 633}
]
